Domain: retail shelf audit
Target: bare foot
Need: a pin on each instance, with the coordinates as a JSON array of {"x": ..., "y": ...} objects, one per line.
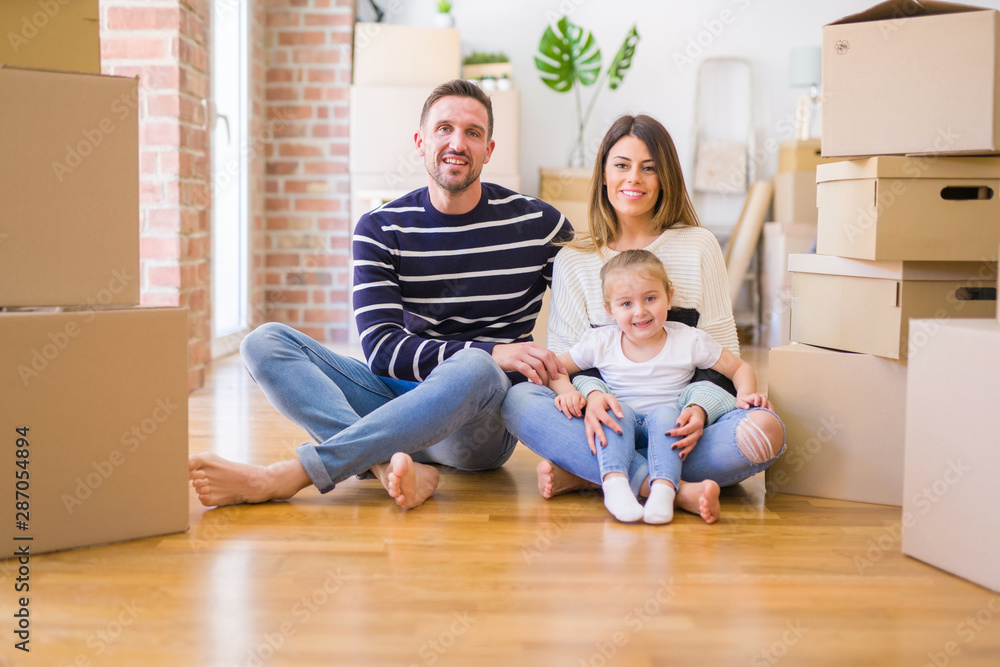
[
  {"x": 700, "y": 498},
  {"x": 218, "y": 481},
  {"x": 553, "y": 480},
  {"x": 408, "y": 483}
]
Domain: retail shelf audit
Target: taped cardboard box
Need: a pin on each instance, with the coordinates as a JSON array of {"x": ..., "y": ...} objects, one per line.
[
  {"x": 951, "y": 465},
  {"x": 69, "y": 187},
  {"x": 795, "y": 196},
  {"x": 387, "y": 54},
  {"x": 910, "y": 208},
  {"x": 844, "y": 417},
  {"x": 51, "y": 34},
  {"x": 94, "y": 413},
  {"x": 863, "y": 306},
  {"x": 909, "y": 77}
]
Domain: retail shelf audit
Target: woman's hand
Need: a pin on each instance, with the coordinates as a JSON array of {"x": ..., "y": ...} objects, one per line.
[
  {"x": 753, "y": 401},
  {"x": 598, "y": 404},
  {"x": 690, "y": 426},
  {"x": 571, "y": 403}
]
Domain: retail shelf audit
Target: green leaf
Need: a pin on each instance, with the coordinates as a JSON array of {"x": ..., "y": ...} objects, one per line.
[
  {"x": 567, "y": 54},
  {"x": 623, "y": 59}
]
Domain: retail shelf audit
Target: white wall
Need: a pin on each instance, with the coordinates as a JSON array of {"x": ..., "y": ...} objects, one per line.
[{"x": 762, "y": 31}]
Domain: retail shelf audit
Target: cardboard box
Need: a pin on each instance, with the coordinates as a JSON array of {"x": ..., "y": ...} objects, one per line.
[
  {"x": 568, "y": 190},
  {"x": 910, "y": 208},
  {"x": 800, "y": 155},
  {"x": 58, "y": 35},
  {"x": 387, "y": 54},
  {"x": 795, "y": 196},
  {"x": 951, "y": 465},
  {"x": 779, "y": 239},
  {"x": 99, "y": 398},
  {"x": 384, "y": 119},
  {"x": 69, "y": 183},
  {"x": 863, "y": 306},
  {"x": 844, "y": 417},
  {"x": 905, "y": 77}
]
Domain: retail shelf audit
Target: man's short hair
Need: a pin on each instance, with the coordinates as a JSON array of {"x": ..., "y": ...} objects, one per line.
[{"x": 460, "y": 88}]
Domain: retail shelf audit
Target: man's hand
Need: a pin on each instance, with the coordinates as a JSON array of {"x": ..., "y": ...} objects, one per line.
[
  {"x": 690, "y": 426},
  {"x": 530, "y": 360},
  {"x": 571, "y": 403},
  {"x": 598, "y": 404},
  {"x": 753, "y": 401}
]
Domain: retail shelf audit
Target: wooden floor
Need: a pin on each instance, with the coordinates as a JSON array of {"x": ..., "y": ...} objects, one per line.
[{"x": 489, "y": 573}]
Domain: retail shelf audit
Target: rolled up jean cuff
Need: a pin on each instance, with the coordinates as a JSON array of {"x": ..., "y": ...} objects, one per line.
[{"x": 314, "y": 467}]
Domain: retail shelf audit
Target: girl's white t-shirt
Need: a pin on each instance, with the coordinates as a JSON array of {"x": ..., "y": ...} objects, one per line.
[{"x": 647, "y": 384}]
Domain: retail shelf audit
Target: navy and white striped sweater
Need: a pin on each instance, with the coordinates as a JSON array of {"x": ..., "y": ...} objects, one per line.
[{"x": 427, "y": 285}]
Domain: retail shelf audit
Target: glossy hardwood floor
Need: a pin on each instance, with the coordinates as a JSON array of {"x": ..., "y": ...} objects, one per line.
[{"x": 489, "y": 573}]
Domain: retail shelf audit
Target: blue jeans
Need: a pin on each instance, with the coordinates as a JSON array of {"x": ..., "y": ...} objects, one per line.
[
  {"x": 642, "y": 432},
  {"x": 530, "y": 414},
  {"x": 360, "y": 419}
]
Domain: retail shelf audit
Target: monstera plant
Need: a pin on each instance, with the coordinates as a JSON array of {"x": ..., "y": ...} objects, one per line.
[{"x": 569, "y": 58}]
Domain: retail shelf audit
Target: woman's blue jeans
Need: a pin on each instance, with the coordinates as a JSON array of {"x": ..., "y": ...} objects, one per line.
[
  {"x": 530, "y": 414},
  {"x": 359, "y": 419}
]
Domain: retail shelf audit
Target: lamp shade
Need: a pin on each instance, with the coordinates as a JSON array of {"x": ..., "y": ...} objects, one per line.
[{"x": 805, "y": 67}]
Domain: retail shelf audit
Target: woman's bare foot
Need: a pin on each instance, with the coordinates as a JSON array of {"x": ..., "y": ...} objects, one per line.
[
  {"x": 218, "y": 481},
  {"x": 408, "y": 483},
  {"x": 700, "y": 498},
  {"x": 553, "y": 480}
]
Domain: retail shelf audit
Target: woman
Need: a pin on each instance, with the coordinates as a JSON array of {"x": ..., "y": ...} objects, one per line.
[{"x": 639, "y": 201}]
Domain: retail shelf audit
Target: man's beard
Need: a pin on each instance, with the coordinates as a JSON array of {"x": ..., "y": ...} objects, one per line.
[{"x": 451, "y": 186}]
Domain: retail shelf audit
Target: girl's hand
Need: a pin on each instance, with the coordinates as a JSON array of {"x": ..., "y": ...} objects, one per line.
[
  {"x": 752, "y": 401},
  {"x": 690, "y": 426},
  {"x": 596, "y": 417},
  {"x": 571, "y": 403}
]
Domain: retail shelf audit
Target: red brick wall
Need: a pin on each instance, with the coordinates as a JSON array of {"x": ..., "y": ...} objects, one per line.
[
  {"x": 164, "y": 43},
  {"x": 306, "y": 243}
]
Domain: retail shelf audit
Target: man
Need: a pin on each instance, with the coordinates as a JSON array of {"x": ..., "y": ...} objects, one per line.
[{"x": 448, "y": 282}]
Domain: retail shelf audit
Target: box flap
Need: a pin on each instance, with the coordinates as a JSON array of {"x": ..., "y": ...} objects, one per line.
[
  {"x": 901, "y": 9},
  {"x": 907, "y": 166},
  {"x": 887, "y": 269}
]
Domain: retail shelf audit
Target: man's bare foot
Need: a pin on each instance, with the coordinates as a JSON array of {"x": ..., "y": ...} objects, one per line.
[
  {"x": 700, "y": 498},
  {"x": 408, "y": 483},
  {"x": 553, "y": 480},
  {"x": 218, "y": 481}
]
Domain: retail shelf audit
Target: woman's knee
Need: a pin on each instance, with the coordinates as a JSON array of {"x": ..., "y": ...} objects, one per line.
[{"x": 760, "y": 436}]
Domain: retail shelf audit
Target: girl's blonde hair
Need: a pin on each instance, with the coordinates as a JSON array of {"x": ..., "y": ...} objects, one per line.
[
  {"x": 673, "y": 206},
  {"x": 642, "y": 262}
]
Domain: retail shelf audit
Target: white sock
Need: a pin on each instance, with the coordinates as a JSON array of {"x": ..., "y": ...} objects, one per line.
[
  {"x": 660, "y": 504},
  {"x": 620, "y": 500}
]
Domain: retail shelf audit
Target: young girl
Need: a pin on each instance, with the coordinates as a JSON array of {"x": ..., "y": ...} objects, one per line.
[{"x": 647, "y": 362}]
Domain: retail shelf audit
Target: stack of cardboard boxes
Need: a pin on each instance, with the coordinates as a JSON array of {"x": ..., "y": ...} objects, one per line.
[
  {"x": 907, "y": 244},
  {"x": 93, "y": 406},
  {"x": 898, "y": 237}
]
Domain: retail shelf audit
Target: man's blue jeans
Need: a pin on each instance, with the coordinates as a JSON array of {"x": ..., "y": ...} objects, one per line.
[{"x": 359, "y": 419}]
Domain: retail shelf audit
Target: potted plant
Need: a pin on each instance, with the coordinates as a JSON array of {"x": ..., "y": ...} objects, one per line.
[
  {"x": 480, "y": 64},
  {"x": 444, "y": 19},
  {"x": 569, "y": 58}
]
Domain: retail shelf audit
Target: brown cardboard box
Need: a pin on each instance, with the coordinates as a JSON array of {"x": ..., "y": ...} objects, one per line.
[
  {"x": 100, "y": 400},
  {"x": 910, "y": 208},
  {"x": 795, "y": 196},
  {"x": 800, "y": 155},
  {"x": 912, "y": 77},
  {"x": 779, "y": 239},
  {"x": 51, "y": 34},
  {"x": 69, "y": 187},
  {"x": 950, "y": 471},
  {"x": 864, "y": 306},
  {"x": 844, "y": 416},
  {"x": 568, "y": 190},
  {"x": 387, "y": 54}
]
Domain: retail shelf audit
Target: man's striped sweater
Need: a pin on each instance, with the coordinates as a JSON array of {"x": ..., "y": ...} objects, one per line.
[{"x": 427, "y": 285}]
